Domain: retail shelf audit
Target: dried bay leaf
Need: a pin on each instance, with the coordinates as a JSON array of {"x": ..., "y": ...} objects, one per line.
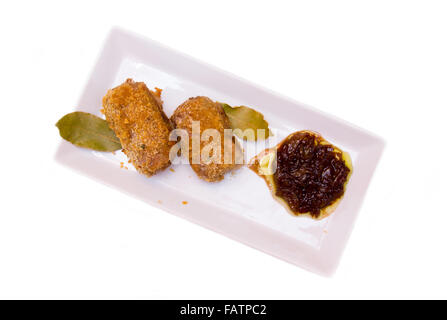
[
  {"x": 244, "y": 118},
  {"x": 88, "y": 131}
]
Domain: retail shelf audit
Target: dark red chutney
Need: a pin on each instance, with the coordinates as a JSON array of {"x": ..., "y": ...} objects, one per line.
[{"x": 310, "y": 176}]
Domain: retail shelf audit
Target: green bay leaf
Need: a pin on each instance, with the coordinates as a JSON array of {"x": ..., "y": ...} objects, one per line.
[
  {"x": 88, "y": 131},
  {"x": 244, "y": 118}
]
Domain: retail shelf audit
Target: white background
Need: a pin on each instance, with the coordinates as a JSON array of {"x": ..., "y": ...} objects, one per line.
[{"x": 379, "y": 64}]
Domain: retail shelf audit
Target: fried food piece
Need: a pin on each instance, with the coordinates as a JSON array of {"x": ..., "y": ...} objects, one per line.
[
  {"x": 211, "y": 116},
  {"x": 136, "y": 115},
  {"x": 305, "y": 173}
]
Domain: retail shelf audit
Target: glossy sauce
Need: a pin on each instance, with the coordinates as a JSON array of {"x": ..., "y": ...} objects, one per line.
[{"x": 310, "y": 175}]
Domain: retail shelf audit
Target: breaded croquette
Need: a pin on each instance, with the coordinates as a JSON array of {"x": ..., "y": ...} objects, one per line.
[
  {"x": 136, "y": 115},
  {"x": 211, "y": 116}
]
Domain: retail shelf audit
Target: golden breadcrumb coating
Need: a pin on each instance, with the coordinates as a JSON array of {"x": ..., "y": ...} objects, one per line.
[
  {"x": 136, "y": 115},
  {"x": 211, "y": 116}
]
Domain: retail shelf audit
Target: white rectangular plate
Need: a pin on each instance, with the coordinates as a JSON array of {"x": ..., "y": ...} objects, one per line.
[{"x": 241, "y": 206}]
